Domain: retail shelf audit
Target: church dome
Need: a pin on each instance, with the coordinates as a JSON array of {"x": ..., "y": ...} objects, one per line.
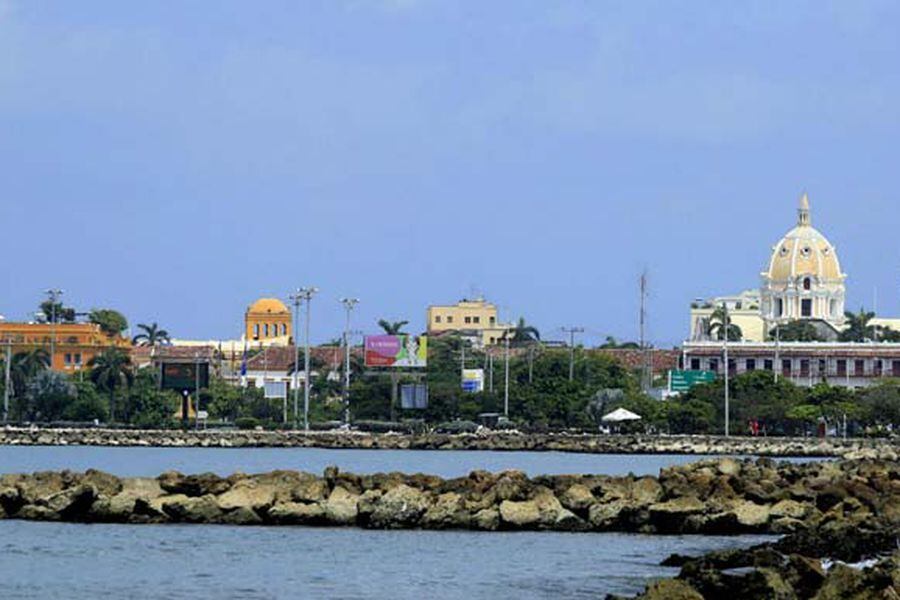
[
  {"x": 804, "y": 252},
  {"x": 268, "y": 306}
]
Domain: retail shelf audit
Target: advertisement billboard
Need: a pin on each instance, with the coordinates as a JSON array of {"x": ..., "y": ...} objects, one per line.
[
  {"x": 183, "y": 376},
  {"x": 473, "y": 380},
  {"x": 396, "y": 350}
]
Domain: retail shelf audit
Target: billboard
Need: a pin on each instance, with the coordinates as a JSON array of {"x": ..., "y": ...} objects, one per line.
[
  {"x": 183, "y": 376},
  {"x": 396, "y": 350},
  {"x": 682, "y": 381},
  {"x": 275, "y": 389},
  {"x": 413, "y": 396},
  {"x": 473, "y": 380}
]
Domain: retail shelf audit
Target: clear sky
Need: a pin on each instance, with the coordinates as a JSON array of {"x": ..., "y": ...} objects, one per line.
[{"x": 176, "y": 160}]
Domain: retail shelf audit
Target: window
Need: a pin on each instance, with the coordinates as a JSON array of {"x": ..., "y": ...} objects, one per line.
[
  {"x": 806, "y": 307},
  {"x": 751, "y": 364},
  {"x": 493, "y": 320},
  {"x": 468, "y": 320},
  {"x": 779, "y": 307},
  {"x": 859, "y": 368},
  {"x": 807, "y": 284},
  {"x": 732, "y": 366},
  {"x": 493, "y": 340},
  {"x": 695, "y": 364},
  {"x": 876, "y": 367},
  {"x": 78, "y": 359},
  {"x": 768, "y": 364},
  {"x": 256, "y": 331},
  {"x": 714, "y": 364},
  {"x": 895, "y": 368},
  {"x": 68, "y": 359},
  {"x": 476, "y": 319},
  {"x": 284, "y": 329},
  {"x": 266, "y": 330},
  {"x": 786, "y": 367},
  {"x": 437, "y": 318},
  {"x": 842, "y": 367},
  {"x": 823, "y": 367},
  {"x": 804, "y": 368},
  {"x": 449, "y": 318}
]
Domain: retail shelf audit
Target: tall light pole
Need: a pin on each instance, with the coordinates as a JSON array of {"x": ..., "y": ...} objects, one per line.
[
  {"x": 349, "y": 304},
  {"x": 725, "y": 327},
  {"x": 7, "y": 379},
  {"x": 306, "y": 294},
  {"x": 506, "y": 379},
  {"x": 53, "y": 294},
  {"x": 777, "y": 364},
  {"x": 572, "y": 331},
  {"x": 296, "y": 298}
]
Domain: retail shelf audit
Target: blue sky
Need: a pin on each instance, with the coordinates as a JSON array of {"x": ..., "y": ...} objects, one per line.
[{"x": 176, "y": 160}]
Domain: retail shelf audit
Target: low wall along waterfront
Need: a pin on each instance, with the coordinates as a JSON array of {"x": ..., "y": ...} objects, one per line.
[{"x": 599, "y": 444}]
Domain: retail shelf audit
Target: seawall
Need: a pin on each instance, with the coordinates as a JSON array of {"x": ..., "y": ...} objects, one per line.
[{"x": 501, "y": 441}]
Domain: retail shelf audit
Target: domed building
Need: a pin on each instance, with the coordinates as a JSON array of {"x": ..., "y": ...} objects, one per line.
[
  {"x": 804, "y": 279},
  {"x": 268, "y": 320}
]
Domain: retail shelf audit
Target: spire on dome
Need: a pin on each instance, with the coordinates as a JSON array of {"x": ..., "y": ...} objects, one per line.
[{"x": 804, "y": 220}]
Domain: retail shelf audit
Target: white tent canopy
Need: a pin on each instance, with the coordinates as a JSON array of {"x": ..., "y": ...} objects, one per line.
[{"x": 619, "y": 415}]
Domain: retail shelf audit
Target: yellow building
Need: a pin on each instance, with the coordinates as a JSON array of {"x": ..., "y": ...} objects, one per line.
[
  {"x": 476, "y": 318},
  {"x": 74, "y": 344},
  {"x": 268, "y": 320}
]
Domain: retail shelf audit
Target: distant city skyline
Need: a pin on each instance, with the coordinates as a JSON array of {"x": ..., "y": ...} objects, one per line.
[{"x": 177, "y": 164}]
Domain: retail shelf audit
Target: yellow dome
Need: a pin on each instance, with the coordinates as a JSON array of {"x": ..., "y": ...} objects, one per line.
[
  {"x": 268, "y": 306},
  {"x": 804, "y": 251}
]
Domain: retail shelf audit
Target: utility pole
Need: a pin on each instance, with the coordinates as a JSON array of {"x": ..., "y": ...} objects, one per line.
[
  {"x": 572, "y": 331},
  {"x": 726, "y": 328},
  {"x": 54, "y": 295},
  {"x": 7, "y": 380},
  {"x": 307, "y": 294},
  {"x": 506, "y": 381},
  {"x": 777, "y": 365},
  {"x": 296, "y": 299},
  {"x": 646, "y": 369},
  {"x": 349, "y": 304}
]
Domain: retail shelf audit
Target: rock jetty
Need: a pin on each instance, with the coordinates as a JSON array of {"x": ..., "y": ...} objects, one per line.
[
  {"x": 503, "y": 441},
  {"x": 724, "y": 496}
]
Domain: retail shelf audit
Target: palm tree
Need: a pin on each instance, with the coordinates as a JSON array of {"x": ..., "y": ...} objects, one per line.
[
  {"x": 392, "y": 327},
  {"x": 23, "y": 367},
  {"x": 151, "y": 335},
  {"x": 717, "y": 326},
  {"x": 109, "y": 371},
  {"x": 858, "y": 327},
  {"x": 522, "y": 334}
]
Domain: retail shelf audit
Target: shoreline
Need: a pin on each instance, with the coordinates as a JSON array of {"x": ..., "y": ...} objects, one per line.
[{"x": 854, "y": 448}]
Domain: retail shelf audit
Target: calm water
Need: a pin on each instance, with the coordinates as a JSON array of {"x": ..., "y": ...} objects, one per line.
[
  {"x": 149, "y": 462},
  {"x": 52, "y": 560}
]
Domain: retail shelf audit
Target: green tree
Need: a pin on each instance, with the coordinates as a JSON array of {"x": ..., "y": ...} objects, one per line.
[
  {"x": 392, "y": 327},
  {"x": 796, "y": 331},
  {"x": 111, "y": 322},
  {"x": 148, "y": 406},
  {"x": 612, "y": 343},
  {"x": 23, "y": 367},
  {"x": 63, "y": 314},
  {"x": 87, "y": 406},
  {"x": 151, "y": 335},
  {"x": 718, "y": 326},
  {"x": 48, "y": 395},
  {"x": 858, "y": 327},
  {"x": 523, "y": 334},
  {"x": 111, "y": 371},
  {"x": 881, "y": 404}
]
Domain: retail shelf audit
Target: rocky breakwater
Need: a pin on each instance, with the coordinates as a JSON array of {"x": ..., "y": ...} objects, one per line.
[
  {"x": 485, "y": 440},
  {"x": 713, "y": 496}
]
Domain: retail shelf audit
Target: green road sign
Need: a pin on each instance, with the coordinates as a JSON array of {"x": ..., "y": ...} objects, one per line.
[{"x": 682, "y": 381}]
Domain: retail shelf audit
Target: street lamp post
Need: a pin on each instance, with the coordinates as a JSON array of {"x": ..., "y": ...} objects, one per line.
[
  {"x": 307, "y": 294},
  {"x": 349, "y": 304},
  {"x": 7, "y": 380},
  {"x": 726, "y": 328},
  {"x": 506, "y": 380},
  {"x": 54, "y": 295},
  {"x": 296, "y": 299}
]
